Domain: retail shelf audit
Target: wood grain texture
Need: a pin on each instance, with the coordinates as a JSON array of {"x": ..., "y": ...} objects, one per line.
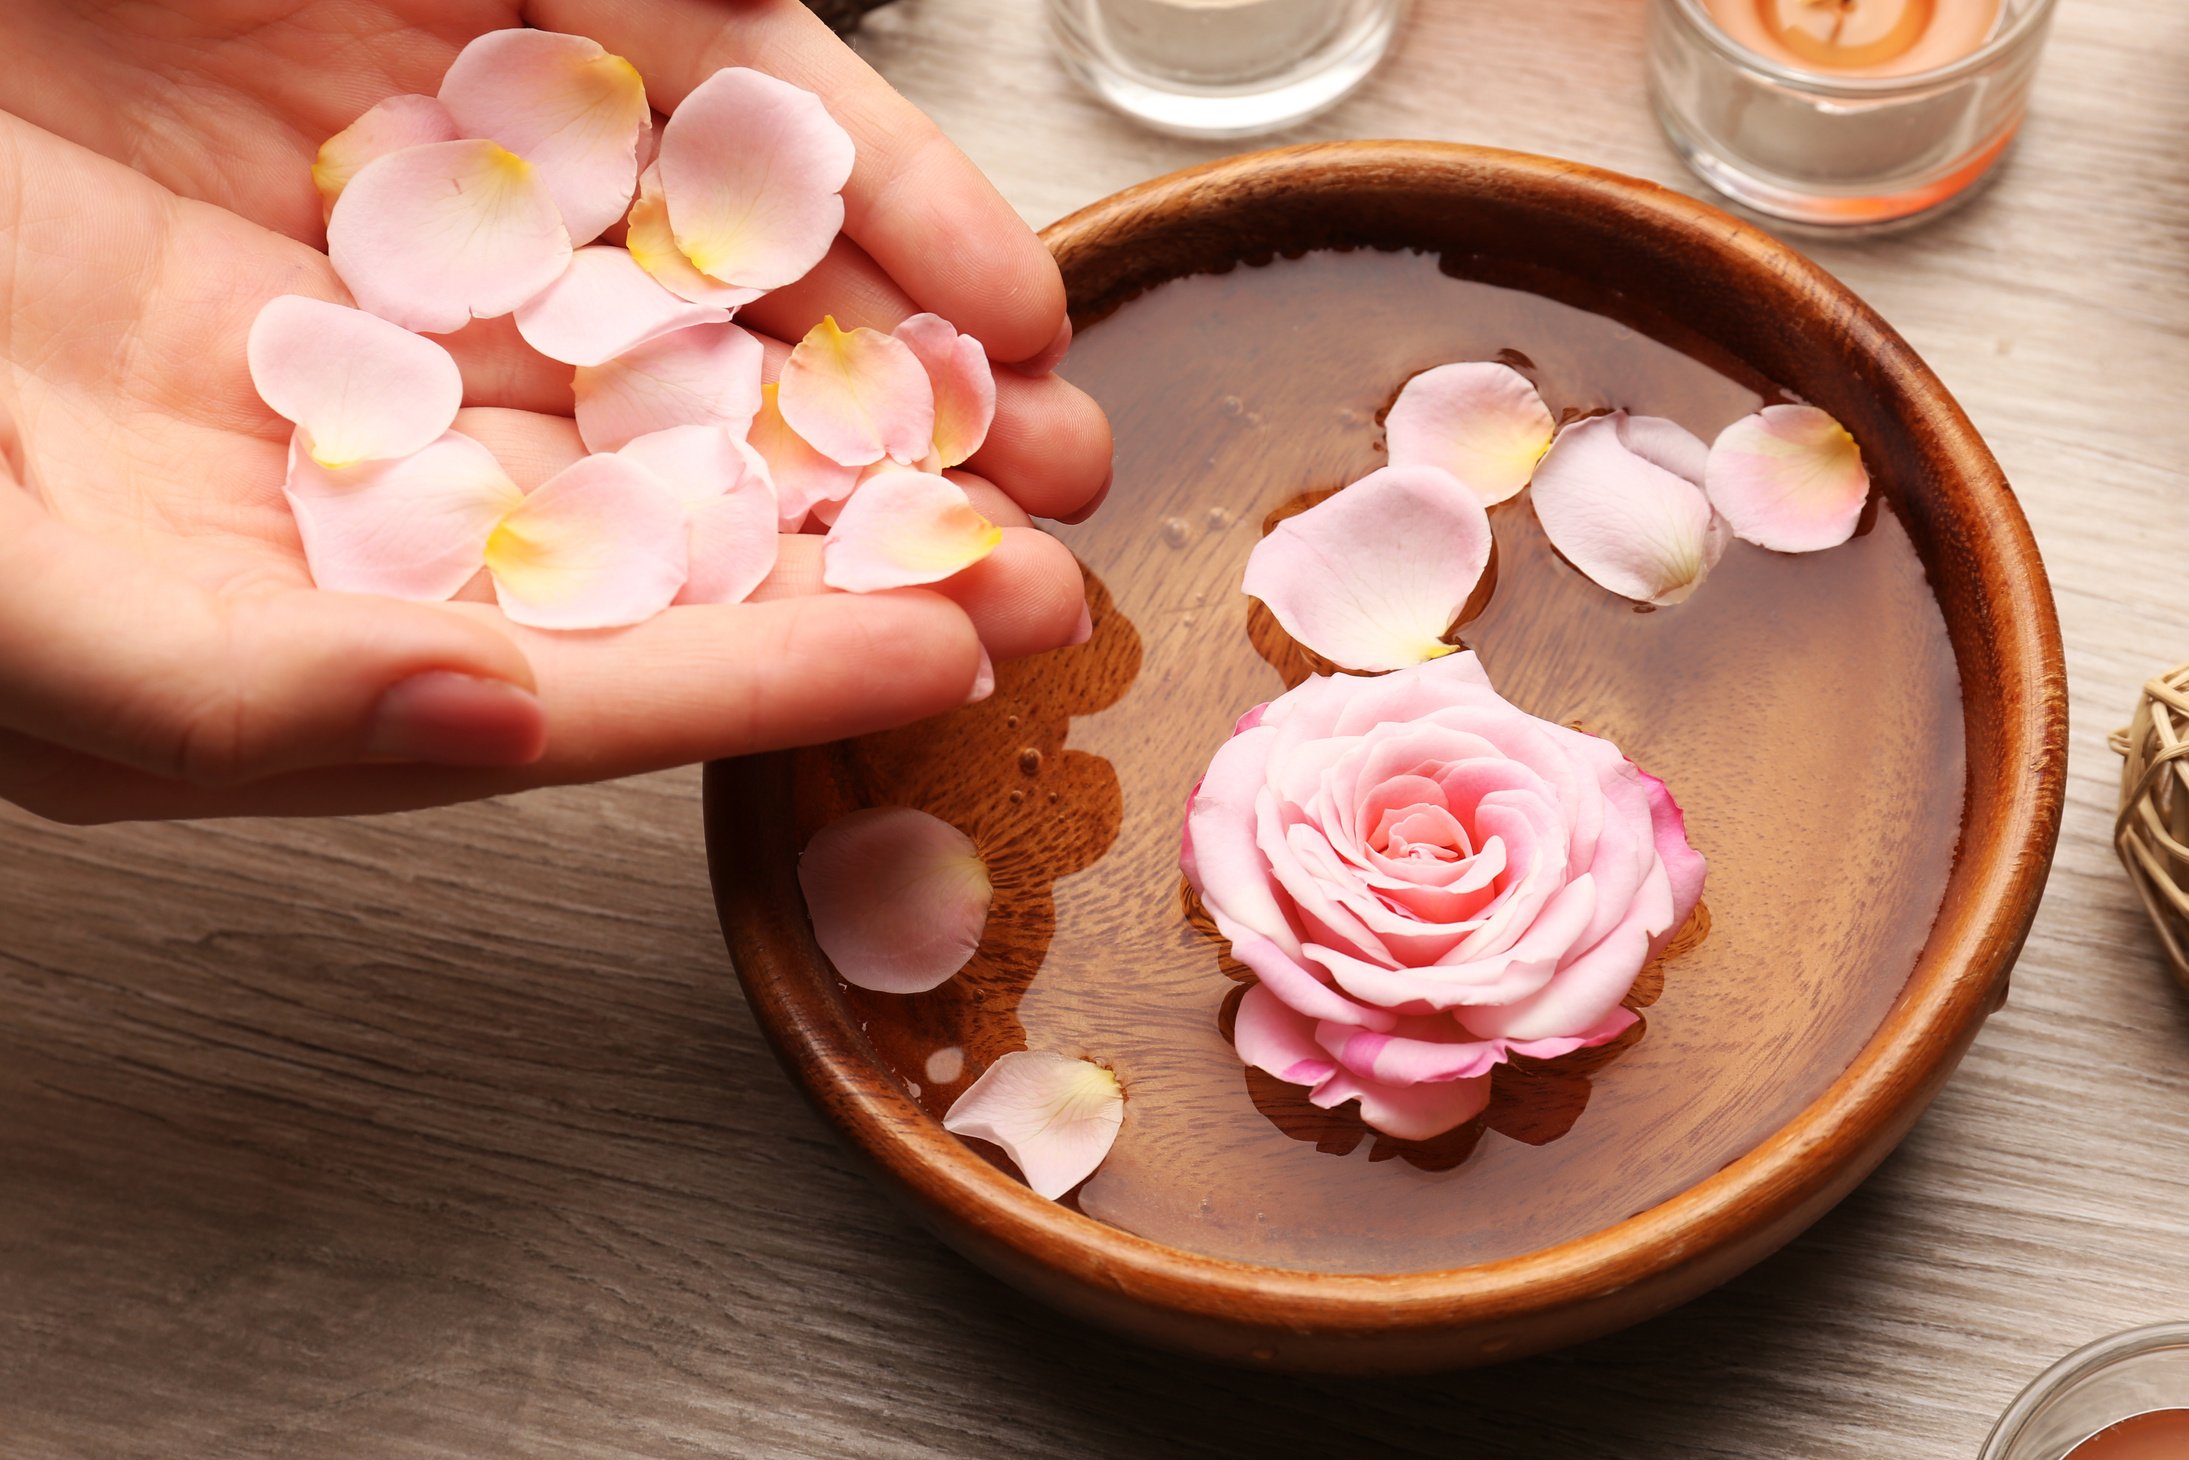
[{"x": 445, "y": 1135}]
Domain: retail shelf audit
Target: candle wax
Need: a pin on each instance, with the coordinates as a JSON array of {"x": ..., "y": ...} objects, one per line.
[
  {"x": 2163, "y": 1434},
  {"x": 1858, "y": 38}
]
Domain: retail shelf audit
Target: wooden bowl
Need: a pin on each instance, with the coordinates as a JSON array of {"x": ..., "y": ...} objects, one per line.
[{"x": 1543, "y": 225}]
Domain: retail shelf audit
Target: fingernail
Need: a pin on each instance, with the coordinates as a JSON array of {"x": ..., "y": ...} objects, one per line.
[
  {"x": 1083, "y": 630},
  {"x": 1052, "y": 354},
  {"x": 445, "y": 718},
  {"x": 984, "y": 679}
]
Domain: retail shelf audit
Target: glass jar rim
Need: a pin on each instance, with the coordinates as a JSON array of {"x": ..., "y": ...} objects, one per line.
[
  {"x": 2029, "y": 19},
  {"x": 2090, "y": 1359}
]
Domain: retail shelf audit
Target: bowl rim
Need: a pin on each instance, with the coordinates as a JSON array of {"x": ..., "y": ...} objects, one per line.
[{"x": 1794, "y": 1167}]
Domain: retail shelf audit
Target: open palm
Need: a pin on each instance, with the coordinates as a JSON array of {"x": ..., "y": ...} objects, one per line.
[{"x": 192, "y": 655}]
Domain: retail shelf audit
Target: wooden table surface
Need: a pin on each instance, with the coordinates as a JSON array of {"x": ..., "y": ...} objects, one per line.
[{"x": 448, "y": 1135}]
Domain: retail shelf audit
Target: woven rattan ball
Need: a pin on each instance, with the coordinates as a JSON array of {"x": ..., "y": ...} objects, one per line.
[{"x": 2152, "y": 831}]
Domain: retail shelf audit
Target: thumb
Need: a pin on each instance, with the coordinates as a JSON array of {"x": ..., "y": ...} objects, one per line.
[{"x": 108, "y": 653}]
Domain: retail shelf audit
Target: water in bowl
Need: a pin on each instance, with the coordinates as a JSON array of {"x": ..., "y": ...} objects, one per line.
[{"x": 1803, "y": 709}]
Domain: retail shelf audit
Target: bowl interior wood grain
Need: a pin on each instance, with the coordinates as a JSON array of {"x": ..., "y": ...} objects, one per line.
[{"x": 1816, "y": 734}]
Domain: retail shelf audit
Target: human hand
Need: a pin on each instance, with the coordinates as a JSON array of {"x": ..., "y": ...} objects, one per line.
[{"x": 161, "y": 652}]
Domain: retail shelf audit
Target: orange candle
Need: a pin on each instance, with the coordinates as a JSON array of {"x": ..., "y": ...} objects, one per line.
[{"x": 1859, "y": 37}]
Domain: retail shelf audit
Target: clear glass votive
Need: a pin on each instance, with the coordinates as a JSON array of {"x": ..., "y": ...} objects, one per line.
[
  {"x": 1223, "y": 68},
  {"x": 2097, "y": 1386},
  {"x": 1839, "y": 150}
]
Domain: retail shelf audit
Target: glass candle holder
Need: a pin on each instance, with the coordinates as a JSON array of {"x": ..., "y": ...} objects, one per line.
[
  {"x": 1840, "y": 149},
  {"x": 2143, "y": 1371},
  {"x": 1223, "y": 68}
]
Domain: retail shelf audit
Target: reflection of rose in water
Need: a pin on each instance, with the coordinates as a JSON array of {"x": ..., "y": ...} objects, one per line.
[
  {"x": 1052, "y": 812},
  {"x": 1533, "y": 1100}
]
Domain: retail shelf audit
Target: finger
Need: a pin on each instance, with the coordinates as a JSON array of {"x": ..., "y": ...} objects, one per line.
[
  {"x": 530, "y": 447},
  {"x": 1024, "y": 598},
  {"x": 694, "y": 684},
  {"x": 108, "y": 654},
  {"x": 500, "y": 369},
  {"x": 915, "y": 203}
]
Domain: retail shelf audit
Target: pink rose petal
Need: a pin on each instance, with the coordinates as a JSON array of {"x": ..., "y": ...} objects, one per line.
[
  {"x": 1629, "y": 524},
  {"x": 390, "y": 126},
  {"x": 963, "y": 382},
  {"x": 724, "y": 485},
  {"x": 605, "y": 305},
  {"x": 752, "y": 169},
  {"x": 600, "y": 544},
  {"x": 653, "y": 247},
  {"x": 1789, "y": 478},
  {"x": 804, "y": 478},
  {"x": 704, "y": 375},
  {"x": 857, "y": 396},
  {"x": 1055, "y": 1117},
  {"x": 1480, "y": 421},
  {"x": 435, "y": 236},
  {"x": 1374, "y": 577},
  {"x": 563, "y": 104},
  {"x": 902, "y": 529},
  {"x": 898, "y": 898},
  {"x": 413, "y": 527},
  {"x": 357, "y": 387}
]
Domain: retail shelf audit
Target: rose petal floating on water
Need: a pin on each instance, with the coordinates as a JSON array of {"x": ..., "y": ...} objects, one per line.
[
  {"x": 605, "y": 305},
  {"x": 653, "y": 248},
  {"x": 1789, "y": 478},
  {"x": 1055, "y": 1117},
  {"x": 1619, "y": 516},
  {"x": 858, "y": 395},
  {"x": 752, "y": 169},
  {"x": 804, "y": 478},
  {"x": 1373, "y": 577},
  {"x": 1480, "y": 421},
  {"x": 705, "y": 375},
  {"x": 570, "y": 108},
  {"x": 389, "y": 126},
  {"x": 964, "y": 385},
  {"x": 357, "y": 387},
  {"x": 724, "y": 486},
  {"x": 898, "y": 898},
  {"x": 435, "y": 236},
  {"x": 412, "y": 527},
  {"x": 902, "y": 529},
  {"x": 600, "y": 544}
]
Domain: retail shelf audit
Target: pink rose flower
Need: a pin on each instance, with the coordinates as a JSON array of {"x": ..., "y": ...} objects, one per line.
[{"x": 1426, "y": 880}]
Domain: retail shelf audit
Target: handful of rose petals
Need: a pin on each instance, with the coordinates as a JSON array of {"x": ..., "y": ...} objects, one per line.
[
  {"x": 1373, "y": 577},
  {"x": 488, "y": 199}
]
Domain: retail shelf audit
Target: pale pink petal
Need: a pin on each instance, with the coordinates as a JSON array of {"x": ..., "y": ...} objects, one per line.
[
  {"x": 804, "y": 478},
  {"x": 724, "y": 485},
  {"x": 1408, "y": 1112},
  {"x": 1373, "y": 577},
  {"x": 902, "y": 529},
  {"x": 857, "y": 396},
  {"x": 898, "y": 898},
  {"x": 563, "y": 104},
  {"x": 706, "y": 375},
  {"x": 604, "y": 305},
  {"x": 963, "y": 382},
  {"x": 1055, "y": 1117},
  {"x": 432, "y": 237},
  {"x": 1482, "y": 422},
  {"x": 600, "y": 544},
  {"x": 1789, "y": 478},
  {"x": 413, "y": 527},
  {"x": 357, "y": 387},
  {"x": 390, "y": 126},
  {"x": 1630, "y": 525},
  {"x": 752, "y": 169},
  {"x": 654, "y": 249},
  {"x": 1276, "y": 1038}
]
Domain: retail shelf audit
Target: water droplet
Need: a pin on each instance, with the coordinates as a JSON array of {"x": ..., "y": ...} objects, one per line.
[
  {"x": 912, "y": 1088},
  {"x": 1219, "y": 518},
  {"x": 1175, "y": 531},
  {"x": 1010, "y": 722},
  {"x": 1052, "y": 798},
  {"x": 1231, "y": 405},
  {"x": 1017, "y": 796},
  {"x": 1029, "y": 761}
]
